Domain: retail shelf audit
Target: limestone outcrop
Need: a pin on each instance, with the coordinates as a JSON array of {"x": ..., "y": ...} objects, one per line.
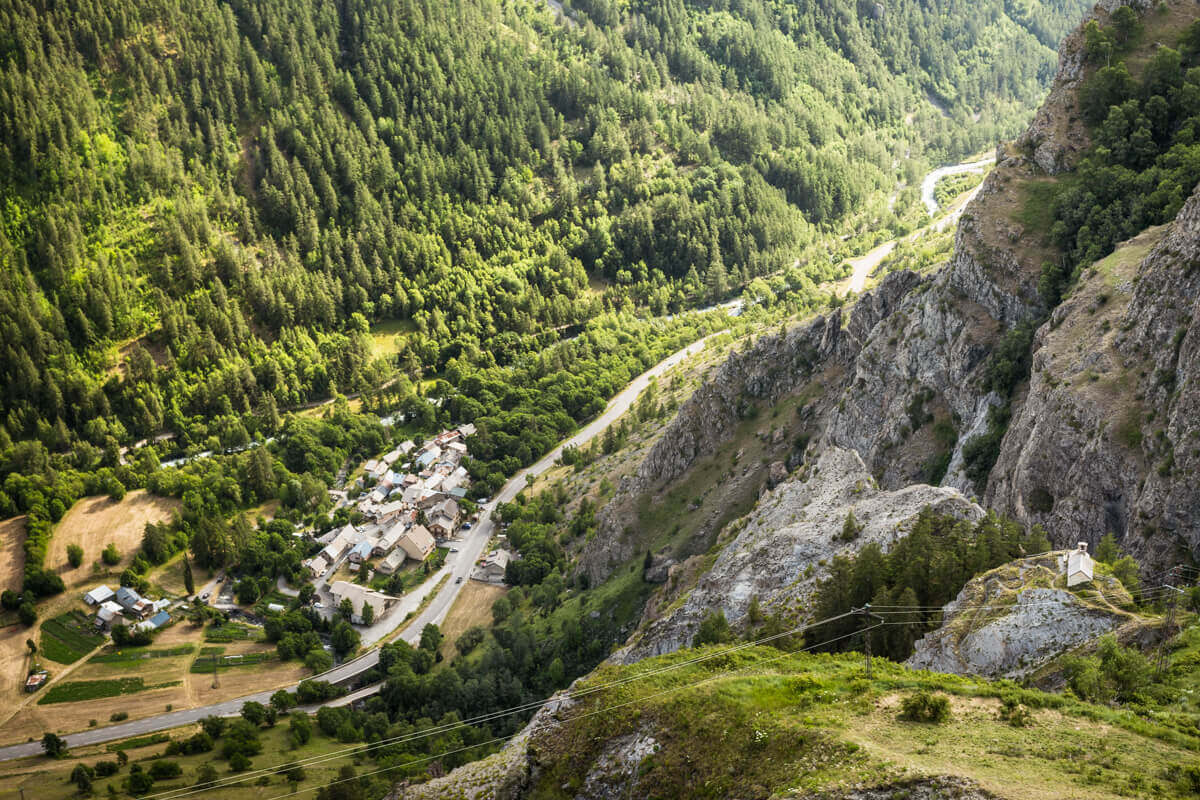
[
  {"x": 780, "y": 551},
  {"x": 1012, "y": 620},
  {"x": 1108, "y": 437}
]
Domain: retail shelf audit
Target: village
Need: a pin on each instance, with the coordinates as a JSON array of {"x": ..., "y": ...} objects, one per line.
[{"x": 410, "y": 510}]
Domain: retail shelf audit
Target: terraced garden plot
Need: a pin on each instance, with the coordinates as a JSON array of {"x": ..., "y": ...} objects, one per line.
[
  {"x": 204, "y": 664},
  {"x": 229, "y": 632},
  {"x": 76, "y": 691},
  {"x": 68, "y": 638},
  {"x": 141, "y": 654}
]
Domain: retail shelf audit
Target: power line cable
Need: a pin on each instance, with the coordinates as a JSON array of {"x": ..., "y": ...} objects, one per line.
[
  {"x": 890, "y": 610},
  {"x": 447, "y": 727},
  {"x": 580, "y": 716}
]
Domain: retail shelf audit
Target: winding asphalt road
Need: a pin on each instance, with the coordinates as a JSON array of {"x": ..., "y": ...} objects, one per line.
[
  {"x": 930, "y": 183},
  {"x": 458, "y": 566},
  {"x": 864, "y": 265}
]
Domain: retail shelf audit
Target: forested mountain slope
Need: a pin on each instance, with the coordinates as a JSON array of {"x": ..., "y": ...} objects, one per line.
[
  {"x": 207, "y": 204},
  {"x": 1047, "y": 368}
]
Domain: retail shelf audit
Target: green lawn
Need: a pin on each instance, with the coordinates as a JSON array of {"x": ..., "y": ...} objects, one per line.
[
  {"x": 68, "y": 638},
  {"x": 274, "y": 596},
  {"x": 383, "y": 335},
  {"x": 204, "y": 664},
  {"x": 411, "y": 574}
]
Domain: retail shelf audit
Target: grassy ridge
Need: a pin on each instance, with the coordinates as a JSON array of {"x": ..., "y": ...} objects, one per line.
[{"x": 809, "y": 723}]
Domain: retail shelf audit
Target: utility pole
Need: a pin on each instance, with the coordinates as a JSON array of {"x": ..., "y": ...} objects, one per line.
[
  {"x": 867, "y": 616},
  {"x": 216, "y": 684},
  {"x": 867, "y": 613},
  {"x": 1168, "y": 624}
]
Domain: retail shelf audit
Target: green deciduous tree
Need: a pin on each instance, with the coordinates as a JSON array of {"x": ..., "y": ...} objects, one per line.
[{"x": 54, "y": 745}]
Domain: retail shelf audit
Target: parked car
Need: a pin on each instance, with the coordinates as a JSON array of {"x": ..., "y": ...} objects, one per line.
[
  {"x": 466, "y": 526},
  {"x": 453, "y": 549}
]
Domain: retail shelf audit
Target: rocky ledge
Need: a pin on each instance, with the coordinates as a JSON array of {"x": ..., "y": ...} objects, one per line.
[
  {"x": 1016, "y": 618},
  {"x": 780, "y": 551}
]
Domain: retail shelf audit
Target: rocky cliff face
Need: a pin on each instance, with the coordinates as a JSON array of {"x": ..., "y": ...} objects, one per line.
[
  {"x": 1105, "y": 435},
  {"x": 925, "y": 359},
  {"x": 773, "y": 366},
  {"x": 504, "y": 775},
  {"x": 1010, "y": 621},
  {"x": 779, "y": 552},
  {"x": 1108, "y": 438},
  {"x": 1057, "y": 135}
]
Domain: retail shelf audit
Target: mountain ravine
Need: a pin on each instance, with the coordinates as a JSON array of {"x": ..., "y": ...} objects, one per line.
[{"x": 1102, "y": 436}]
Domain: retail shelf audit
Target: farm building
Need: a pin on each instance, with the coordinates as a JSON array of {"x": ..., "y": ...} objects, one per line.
[
  {"x": 360, "y": 553},
  {"x": 444, "y": 518},
  {"x": 386, "y": 543},
  {"x": 389, "y": 511},
  {"x": 316, "y": 565},
  {"x": 345, "y": 538},
  {"x": 154, "y": 623},
  {"x": 98, "y": 595},
  {"x": 134, "y": 604},
  {"x": 496, "y": 565},
  {"x": 429, "y": 457},
  {"x": 109, "y": 614}
]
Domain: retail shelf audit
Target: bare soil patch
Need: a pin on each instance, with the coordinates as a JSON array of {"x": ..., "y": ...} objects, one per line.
[
  {"x": 14, "y": 661},
  {"x": 193, "y": 689},
  {"x": 94, "y": 522},
  {"x": 34, "y": 720},
  {"x": 239, "y": 681},
  {"x": 12, "y": 553},
  {"x": 473, "y": 606}
]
